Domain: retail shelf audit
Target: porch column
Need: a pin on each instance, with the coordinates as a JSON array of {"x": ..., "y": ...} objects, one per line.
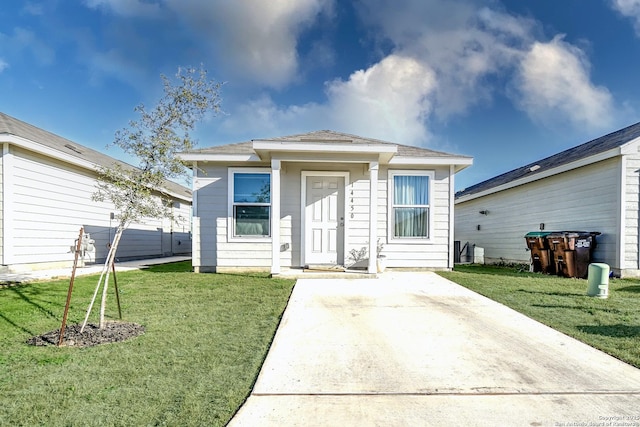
[
  {"x": 275, "y": 216},
  {"x": 452, "y": 202},
  {"x": 373, "y": 217},
  {"x": 196, "y": 256}
]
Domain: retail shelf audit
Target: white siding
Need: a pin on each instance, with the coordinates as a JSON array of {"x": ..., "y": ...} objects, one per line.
[
  {"x": 1, "y": 205},
  {"x": 584, "y": 199},
  {"x": 435, "y": 253},
  {"x": 290, "y": 214},
  {"x": 210, "y": 189},
  {"x": 181, "y": 229},
  {"x": 216, "y": 251},
  {"x": 51, "y": 200}
]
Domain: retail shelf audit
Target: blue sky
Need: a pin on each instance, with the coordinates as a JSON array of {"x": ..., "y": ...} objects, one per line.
[{"x": 507, "y": 82}]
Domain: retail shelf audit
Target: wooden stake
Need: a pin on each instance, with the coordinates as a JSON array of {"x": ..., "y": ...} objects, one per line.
[
  {"x": 73, "y": 276},
  {"x": 115, "y": 285}
]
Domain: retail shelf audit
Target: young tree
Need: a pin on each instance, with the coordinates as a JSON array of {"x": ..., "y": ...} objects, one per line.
[{"x": 154, "y": 139}]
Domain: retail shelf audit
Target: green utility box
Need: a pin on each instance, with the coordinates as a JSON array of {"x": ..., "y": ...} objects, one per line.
[{"x": 598, "y": 280}]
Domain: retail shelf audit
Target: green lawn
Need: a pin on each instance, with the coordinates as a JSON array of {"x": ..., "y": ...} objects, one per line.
[
  {"x": 611, "y": 325},
  {"x": 206, "y": 338}
]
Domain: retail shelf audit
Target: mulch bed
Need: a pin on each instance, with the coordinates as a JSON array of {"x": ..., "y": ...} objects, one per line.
[{"x": 92, "y": 335}]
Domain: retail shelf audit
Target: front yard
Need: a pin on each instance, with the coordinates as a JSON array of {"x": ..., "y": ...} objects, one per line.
[
  {"x": 611, "y": 325},
  {"x": 206, "y": 338}
]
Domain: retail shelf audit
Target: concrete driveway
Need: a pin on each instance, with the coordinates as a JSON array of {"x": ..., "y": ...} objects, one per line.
[{"x": 414, "y": 349}]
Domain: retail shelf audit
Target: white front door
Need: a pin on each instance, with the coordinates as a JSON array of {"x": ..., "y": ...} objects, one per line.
[{"x": 324, "y": 220}]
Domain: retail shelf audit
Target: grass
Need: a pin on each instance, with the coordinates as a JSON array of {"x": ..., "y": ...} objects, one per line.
[
  {"x": 206, "y": 338},
  {"x": 611, "y": 325}
]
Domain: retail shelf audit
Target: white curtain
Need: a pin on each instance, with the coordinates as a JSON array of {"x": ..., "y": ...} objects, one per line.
[{"x": 411, "y": 211}]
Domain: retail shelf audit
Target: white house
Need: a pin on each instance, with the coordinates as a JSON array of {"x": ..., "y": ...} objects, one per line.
[
  {"x": 46, "y": 184},
  {"x": 313, "y": 198},
  {"x": 593, "y": 187}
]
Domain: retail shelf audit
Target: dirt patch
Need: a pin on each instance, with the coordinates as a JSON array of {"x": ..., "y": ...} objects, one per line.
[{"x": 92, "y": 335}]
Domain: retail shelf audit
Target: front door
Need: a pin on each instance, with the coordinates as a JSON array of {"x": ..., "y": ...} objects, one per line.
[{"x": 324, "y": 220}]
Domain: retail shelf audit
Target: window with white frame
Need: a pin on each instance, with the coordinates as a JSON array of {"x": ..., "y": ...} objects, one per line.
[
  {"x": 250, "y": 194},
  {"x": 410, "y": 204}
]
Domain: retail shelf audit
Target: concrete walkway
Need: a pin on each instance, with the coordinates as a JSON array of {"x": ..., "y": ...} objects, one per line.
[
  {"x": 59, "y": 273},
  {"x": 413, "y": 349}
]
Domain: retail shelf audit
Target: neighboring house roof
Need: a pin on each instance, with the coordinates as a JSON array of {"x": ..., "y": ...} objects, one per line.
[
  {"x": 589, "y": 152},
  {"x": 329, "y": 140},
  {"x": 69, "y": 150}
]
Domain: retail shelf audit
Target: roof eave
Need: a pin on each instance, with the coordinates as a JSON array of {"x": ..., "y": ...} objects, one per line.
[
  {"x": 614, "y": 152},
  {"x": 48, "y": 151},
  {"x": 33, "y": 146},
  {"x": 460, "y": 163},
  {"x": 216, "y": 157}
]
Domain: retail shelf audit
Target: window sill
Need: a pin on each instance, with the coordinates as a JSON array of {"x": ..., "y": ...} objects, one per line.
[
  {"x": 410, "y": 241},
  {"x": 249, "y": 239}
]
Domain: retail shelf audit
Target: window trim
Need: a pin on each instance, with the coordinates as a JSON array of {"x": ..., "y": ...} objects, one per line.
[
  {"x": 231, "y": 221},
  {"x": 392, "y": 173}
]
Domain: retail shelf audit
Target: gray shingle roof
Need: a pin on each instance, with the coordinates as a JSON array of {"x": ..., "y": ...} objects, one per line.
[
  {"x": 327, "y": 137},
  {"x": 12, "y": 126},
  {"x": 588, "y": 149}
]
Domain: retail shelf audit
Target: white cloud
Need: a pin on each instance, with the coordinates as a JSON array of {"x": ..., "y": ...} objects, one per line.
[
  {"x": 629, "y": 8},
  {"x": 389, "y": 101},
  {"x": 3, "y": 65},
  {"x": 475, "y": 50},
  {"x": 113, "y": 64},
  {"x": 409, "y": 20},
  {"x": 554, "y": 84},
  {"x": 26, "y": 40},
  {"x": 255, "y": 39},
  {"x": 128, "y": 8},
  {"x": 464, "y": 43},
  {"x": 438, "y": 59},
  {"x": 444, "y": 67},
  {"x": 394, "y": 98}
]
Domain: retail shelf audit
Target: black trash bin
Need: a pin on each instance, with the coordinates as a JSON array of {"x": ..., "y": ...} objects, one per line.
[
  {"x": 571, "y": 252},
  {"x": 541, "y": 259},
  {"x": 584, "y": 246}
]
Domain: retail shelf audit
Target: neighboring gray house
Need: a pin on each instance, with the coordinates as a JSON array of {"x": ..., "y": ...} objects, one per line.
[
  {"x": 592, "y": 187},
  {"x": 46, "y": 184},
  {"x": 313, "y": 198}
]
